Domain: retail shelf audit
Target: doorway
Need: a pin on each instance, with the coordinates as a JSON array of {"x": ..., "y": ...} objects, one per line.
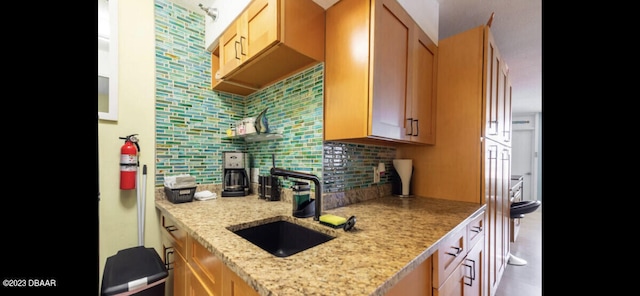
[{"x": 524, "y": 155}]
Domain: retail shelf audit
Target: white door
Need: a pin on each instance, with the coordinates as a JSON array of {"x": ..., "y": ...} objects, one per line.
[{"x": 522, "y": 158}]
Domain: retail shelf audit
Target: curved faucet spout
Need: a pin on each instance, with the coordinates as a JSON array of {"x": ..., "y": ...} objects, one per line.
[{"x": 300, "y": 175}]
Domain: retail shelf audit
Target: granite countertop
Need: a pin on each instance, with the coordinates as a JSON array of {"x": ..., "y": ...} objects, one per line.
[{"x": 391, "y": 237}]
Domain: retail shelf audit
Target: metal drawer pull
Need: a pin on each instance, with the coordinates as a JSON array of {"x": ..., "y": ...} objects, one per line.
[
  {"x": 458, "y": 251},
  {"x": 170, "y": 228},
  {"x": 476, "y": 229},
  {"x": 472, "y": 272},
  {"x": 167, "y": 262}
]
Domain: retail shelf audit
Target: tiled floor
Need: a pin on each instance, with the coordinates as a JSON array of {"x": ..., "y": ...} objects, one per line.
[{"x": 525, "y": 280}]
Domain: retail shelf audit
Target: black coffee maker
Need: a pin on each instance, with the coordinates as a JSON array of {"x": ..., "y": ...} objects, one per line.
[{"x": 236, "y": 179}]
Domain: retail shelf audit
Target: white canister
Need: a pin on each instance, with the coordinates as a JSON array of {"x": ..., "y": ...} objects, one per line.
[{"x": 249, "y": 125}]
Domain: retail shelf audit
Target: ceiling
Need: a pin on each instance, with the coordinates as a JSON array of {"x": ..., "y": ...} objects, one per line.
[{"x": 516, "y": 28}]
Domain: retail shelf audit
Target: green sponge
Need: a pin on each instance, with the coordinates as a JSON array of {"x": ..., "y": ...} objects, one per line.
[{"x": 332, "y": 220}]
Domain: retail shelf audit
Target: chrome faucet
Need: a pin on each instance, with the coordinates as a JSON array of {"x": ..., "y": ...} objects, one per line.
[{"x": 300, "y": 175}]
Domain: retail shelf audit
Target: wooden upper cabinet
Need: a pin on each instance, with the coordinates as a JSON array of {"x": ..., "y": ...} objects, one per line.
[
  {"x": 261, "y": 28},
  {"x": 497, "y": 93},
  {"x": 506, "y": 123},
  {"x": 376, "y": 59},
  {"x": 270, "y": 40},
  {"x": 393, "y": 30},
  {"x": 232, "y": 53},
  {"x": 253, "y": 31},
  {"x": 422, "y": 105}
]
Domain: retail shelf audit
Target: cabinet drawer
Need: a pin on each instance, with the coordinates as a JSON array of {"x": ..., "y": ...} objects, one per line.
[
  {"x": 475, "y": 229},
  {"x": 448, "y": 256},
  {"x": 176, "y": 235},
  {"x": 206, "y": 266}
]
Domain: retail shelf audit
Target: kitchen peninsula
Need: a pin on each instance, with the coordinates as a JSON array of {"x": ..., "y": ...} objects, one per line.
[{"x": 391, "y": 238}]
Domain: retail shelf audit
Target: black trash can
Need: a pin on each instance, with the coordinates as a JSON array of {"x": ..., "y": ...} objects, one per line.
[{"x": 134, "y": 271}]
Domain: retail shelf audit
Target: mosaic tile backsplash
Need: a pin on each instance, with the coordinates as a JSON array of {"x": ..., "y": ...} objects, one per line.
[{"x": 192, "y": 119}]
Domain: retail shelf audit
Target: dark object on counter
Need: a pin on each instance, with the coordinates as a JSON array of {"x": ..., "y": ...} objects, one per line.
[
  {"x": 139, "y": 270},
  {"x": 300, "y": 175},
  {"x": 179, "y": 195},
  {"x": 351, "y": 222},
  {"x": 236, "y": 178},
  {"x": 396, "y": 183},
  {"x": 269, "y": 188},
  {"x": 303, "y": 206}
]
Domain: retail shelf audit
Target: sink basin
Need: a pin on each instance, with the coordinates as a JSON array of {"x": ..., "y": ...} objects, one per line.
[{"x": 283, "y": 238}]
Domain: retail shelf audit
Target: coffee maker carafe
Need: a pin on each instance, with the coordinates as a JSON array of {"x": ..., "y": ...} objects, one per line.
[{"x": 236, "y": 179}]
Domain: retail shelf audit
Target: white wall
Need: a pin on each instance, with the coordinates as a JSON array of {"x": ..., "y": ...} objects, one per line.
[{"x": 117, "y": 208}]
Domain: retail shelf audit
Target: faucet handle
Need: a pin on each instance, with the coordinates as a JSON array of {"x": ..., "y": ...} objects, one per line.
[{"x": 351, "y": 222}]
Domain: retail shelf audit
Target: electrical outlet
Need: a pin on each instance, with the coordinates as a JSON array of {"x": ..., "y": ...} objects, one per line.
[{"x": 376, "y": 175}]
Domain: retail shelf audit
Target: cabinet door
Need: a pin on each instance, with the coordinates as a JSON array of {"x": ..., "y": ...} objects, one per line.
[
  {"x": 233, "y": 285},
  {"x": 255, "y": 30},
  {"x": 491, "y": 196},
  {"x": 474, "y": 271},
  {"x": 179, "y": 275},
  {"x": 507, "y": 117},
  {"x": 232, "y": 53},
  {"x": 393, "y": 32},
  {"x": 416, "y": 283},
  {"x": 421, "y": 108},
  {"x": 196, "y": 287},
  {"x": 261, "y": 28},
  {"x": 454, "y": 285},
  {"x": 492, "y": 65},
  {"x": 206, "y": 266},
  {"x": 504, "y": 217},
  {"x": 497, "y": 176}
]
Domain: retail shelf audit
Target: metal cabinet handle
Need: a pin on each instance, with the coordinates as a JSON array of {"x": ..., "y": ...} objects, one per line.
[
  {"x": 171, "y": 228},
  {"x": 417, "y": 125},
  {"x": 242, "y": 46},
  {"x": 476, "y": 229},
  {"x": 472, "y": 272},
  {"x": 168, "y": 263},
  {"x": 458, "y": 251},
  {"x": 235, "y": 45},
  {"x": 410, "y": 124}
]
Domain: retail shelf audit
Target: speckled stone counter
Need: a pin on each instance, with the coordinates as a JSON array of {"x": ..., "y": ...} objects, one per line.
[{"x": 392, "y": 236}]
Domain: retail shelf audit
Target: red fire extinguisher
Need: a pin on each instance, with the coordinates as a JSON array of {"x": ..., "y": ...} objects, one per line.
[{"x": 129, "y": 162}]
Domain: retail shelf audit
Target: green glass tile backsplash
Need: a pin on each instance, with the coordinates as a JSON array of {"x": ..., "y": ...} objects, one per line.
[{"x": 192, "y": 119}]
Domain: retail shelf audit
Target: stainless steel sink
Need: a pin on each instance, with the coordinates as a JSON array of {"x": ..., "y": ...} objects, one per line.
[{"x": 282, "y": 238}]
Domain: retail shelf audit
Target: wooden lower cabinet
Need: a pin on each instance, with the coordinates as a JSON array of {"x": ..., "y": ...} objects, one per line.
[
  {"x": 194, "y": 270},
  {"x": 454, "y": 269},
  {"x": 180, "y": 272},
  {"x": 416, "y": 283},
  {"x": 474, "y": 265},
  {"x": 196, "y": 285},
  {"x": 467, "y": 277},
  {"x": 233, "y": 285},
  {"x": 462, "y": 273}
]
